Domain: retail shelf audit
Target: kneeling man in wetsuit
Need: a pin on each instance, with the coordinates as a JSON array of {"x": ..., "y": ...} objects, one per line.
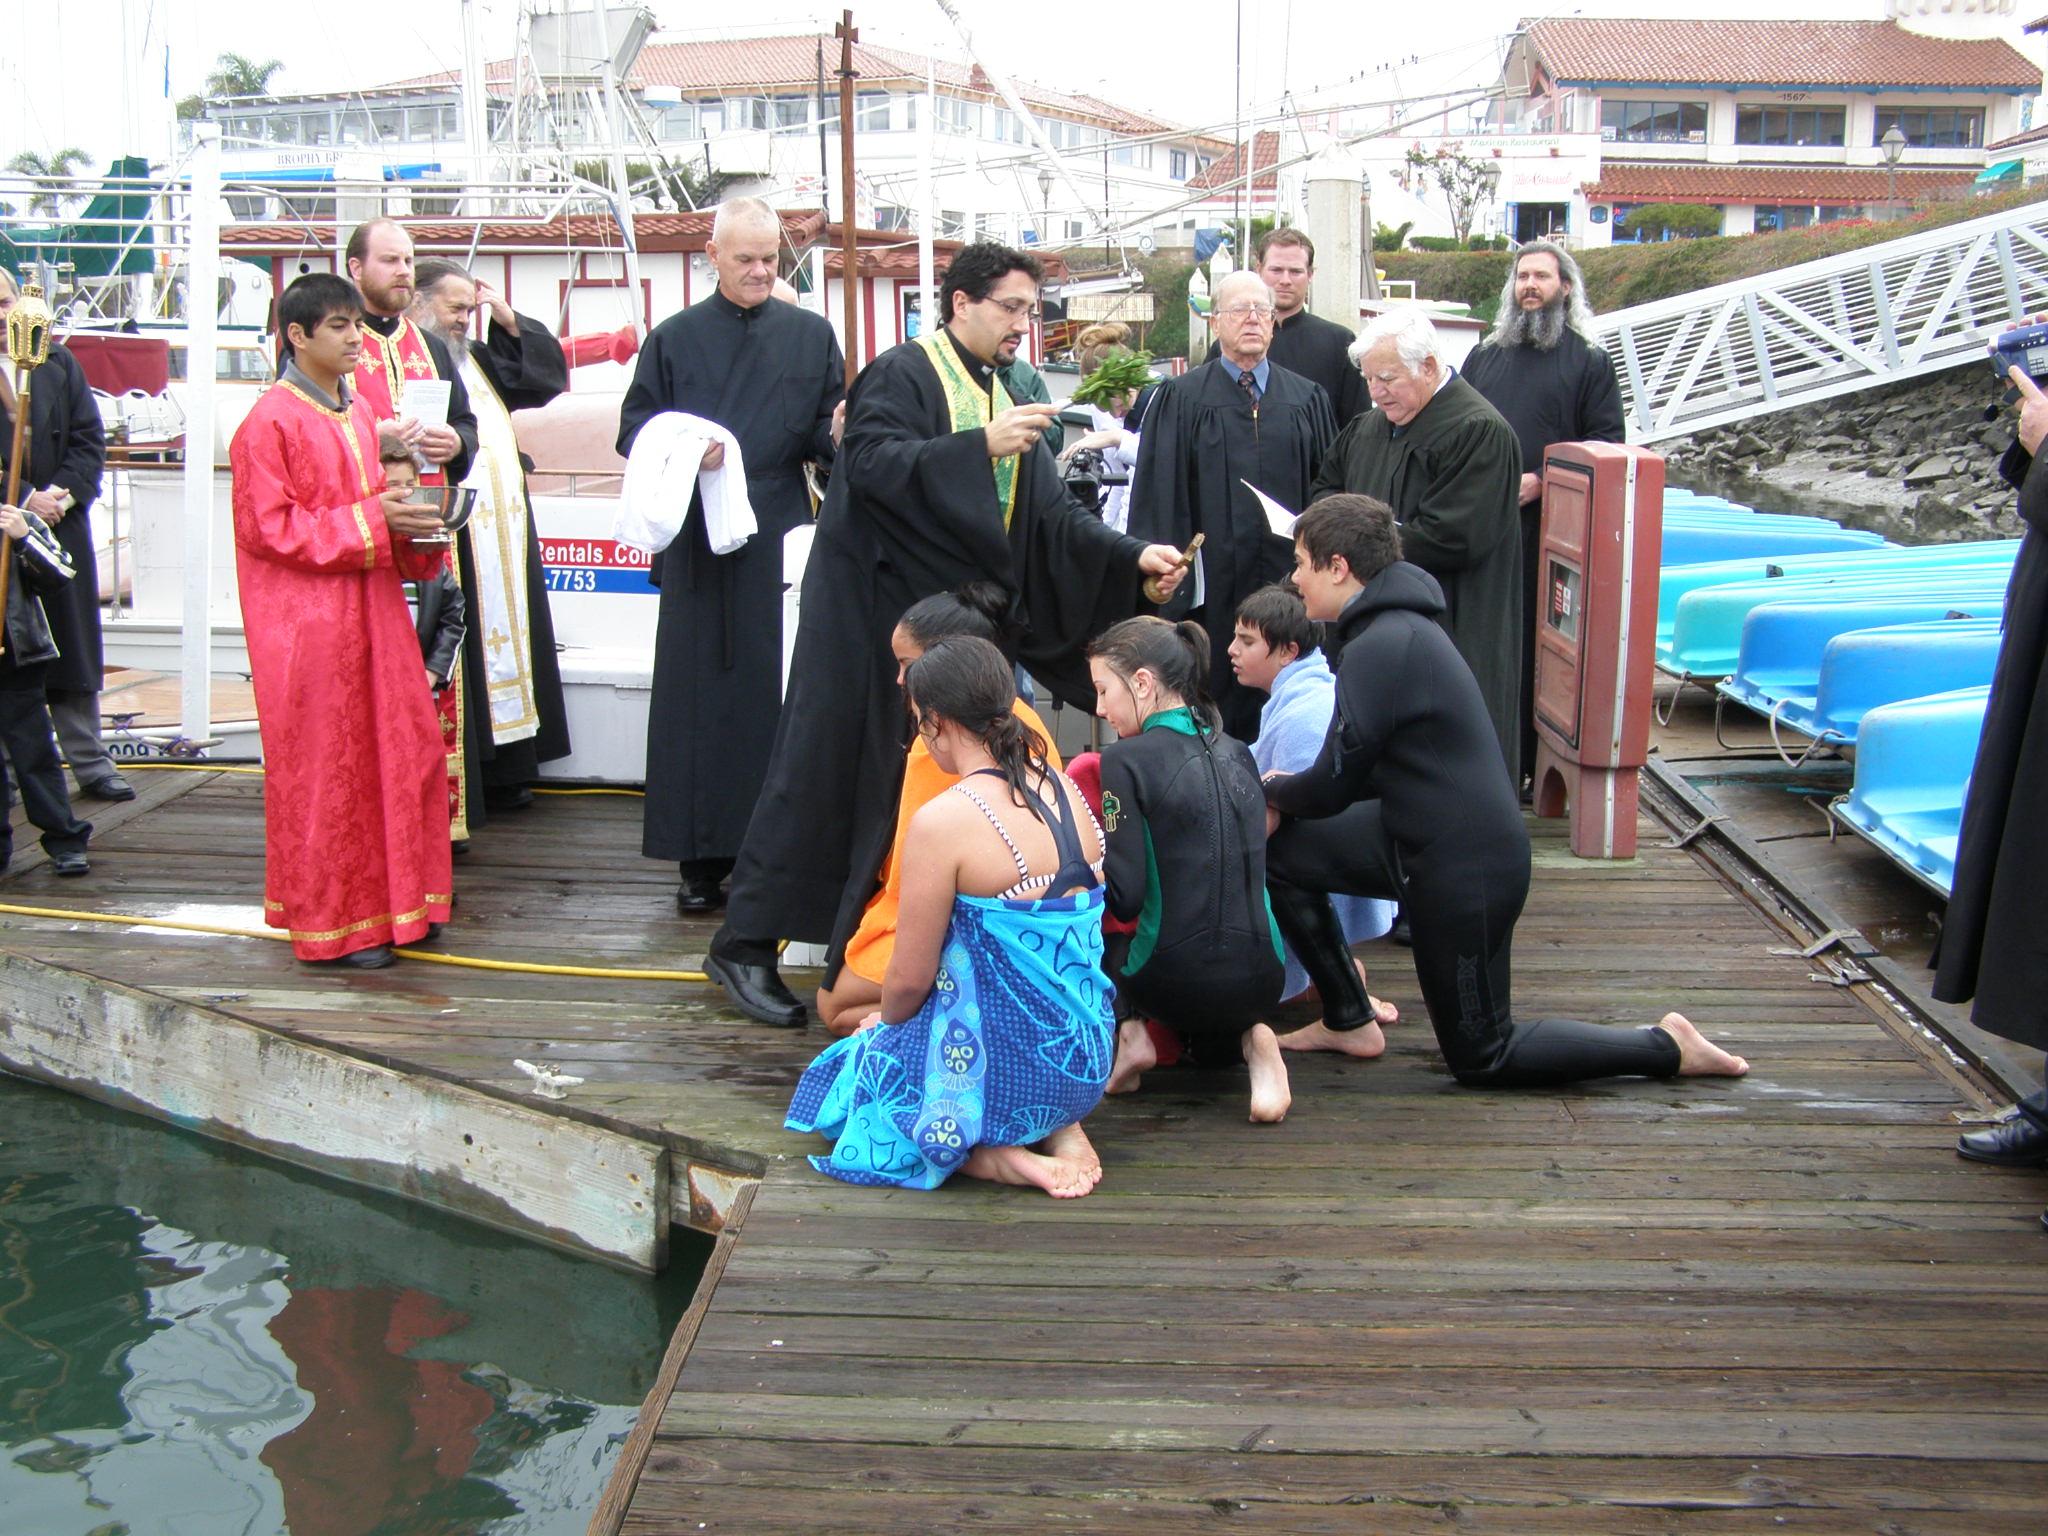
[{"x": 1411, "y": 801}]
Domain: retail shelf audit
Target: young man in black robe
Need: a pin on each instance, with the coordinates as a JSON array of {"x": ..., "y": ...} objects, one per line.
[
  {"x": 1209, "y": 436},
  {"x": 517, "y": 366},
  {"x": 771, "y": 374},
  {"x": 939, "y": 480},
  {"x": 1994, "y": 945},
  {"x": 67, "y": 450},
  {"x": 1542, "y": 370},
  {"x": 1305, "y": 343},
  {"x": 1450, "y": 467}
]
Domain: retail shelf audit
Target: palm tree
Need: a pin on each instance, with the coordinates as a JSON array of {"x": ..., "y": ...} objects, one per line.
[
  {"x": 52, "y": 175},
  {"x": 234, "y": 75}
]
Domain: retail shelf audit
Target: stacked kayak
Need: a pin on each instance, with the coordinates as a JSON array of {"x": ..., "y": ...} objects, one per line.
[
  {"x": 1864, "y": 669},
  {"x": 1708, "y": 625},
  {"x": 1851, "y": 642},
  {"x": 1913, "y": 762}
]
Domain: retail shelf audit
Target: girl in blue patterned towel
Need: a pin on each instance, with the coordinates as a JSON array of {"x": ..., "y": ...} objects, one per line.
[{"x": 994, "y": 1035}]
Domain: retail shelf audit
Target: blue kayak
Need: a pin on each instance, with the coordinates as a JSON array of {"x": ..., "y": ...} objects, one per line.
[
  {"x": 1826, "y": 693},
  {"x": 1913, "y": 762},
  {"x": 1674, "y": 581},
  {"x": 1706, "y": 631},
  {"x": 1687, "y": 541}
]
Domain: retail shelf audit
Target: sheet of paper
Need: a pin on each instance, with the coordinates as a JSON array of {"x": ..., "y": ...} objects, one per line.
[
  {"x": 1278, "y": 518},
  {"x": 1201, "y": 582},
  {"x": 426, "y": 401}
]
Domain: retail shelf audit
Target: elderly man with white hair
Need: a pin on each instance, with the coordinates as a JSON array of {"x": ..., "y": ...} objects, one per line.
[
  {"x": 1237, "y": 421},
  {"x": 1450, "y": 467},
  {"x": 772, "y": 375}
]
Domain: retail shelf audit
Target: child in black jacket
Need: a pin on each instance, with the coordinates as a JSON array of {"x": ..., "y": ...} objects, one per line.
[
  {"x": 1185, "y": 822},
  {"x": 27, "y": 739}
]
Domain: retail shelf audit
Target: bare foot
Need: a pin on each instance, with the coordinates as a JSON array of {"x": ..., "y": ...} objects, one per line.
[
  {"x": 1135, "y": 1056},
  {"x": 1057, "y": 1176},
  {"x": 1071, "y": 1143},
  {"x": 1365, "y": 1042},
  {"x": 1697, "y": 1055},
  {"x": 1271, "y": 1097}
]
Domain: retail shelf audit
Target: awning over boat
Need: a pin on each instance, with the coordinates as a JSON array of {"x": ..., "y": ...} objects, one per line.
[{"x": 2003, "y": 170}]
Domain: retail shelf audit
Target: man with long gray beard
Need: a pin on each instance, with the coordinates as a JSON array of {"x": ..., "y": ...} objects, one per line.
[
  {"x": 512, "y": 712},
  {"x": 1544, "y": 372}
]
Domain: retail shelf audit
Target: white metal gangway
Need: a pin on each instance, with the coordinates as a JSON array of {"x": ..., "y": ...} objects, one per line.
[{"x": 1822, "y": 328}]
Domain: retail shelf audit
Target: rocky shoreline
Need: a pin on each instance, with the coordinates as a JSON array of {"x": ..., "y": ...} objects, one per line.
[{"x": 1915, "y": 461}]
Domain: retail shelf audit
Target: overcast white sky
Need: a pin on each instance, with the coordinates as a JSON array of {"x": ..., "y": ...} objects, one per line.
[{"x": 1182, "y": 63}]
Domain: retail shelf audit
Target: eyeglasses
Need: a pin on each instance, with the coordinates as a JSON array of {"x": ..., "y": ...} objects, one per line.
[
  {"x": 1017, "y": 309},
  {"x": 1248, "y": 311}
]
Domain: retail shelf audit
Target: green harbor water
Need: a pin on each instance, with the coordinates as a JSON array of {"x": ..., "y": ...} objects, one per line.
[{"x": 198, "y": 1342}]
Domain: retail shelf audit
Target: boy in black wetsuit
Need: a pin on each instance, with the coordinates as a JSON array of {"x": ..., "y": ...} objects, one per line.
[{"x": 1410, "y": 800}]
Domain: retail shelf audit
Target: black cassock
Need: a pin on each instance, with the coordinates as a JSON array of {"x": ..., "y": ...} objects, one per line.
[
  {"x": 1202, "y": 441},
  {"x": 1320, "y": 351},
  {"x": 771, "y": 375},
  {"x": 1568, "y": 394},
  {"x": 1994, "y": 943},
  {"x": 912, "y": 510},
  {"x": 67, "y": 449},
  {"x": 527, "y": 369},
  {"x": 1452, "y": 476}
]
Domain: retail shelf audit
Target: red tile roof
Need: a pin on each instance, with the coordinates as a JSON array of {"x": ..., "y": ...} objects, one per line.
[
  {"x": 1592, "y": 51},
  {"x": 2017, "y": 141},
  {"x": 1765, "y": 184},
  {"x": 758, "y": 64},
  {"x": 1228, "y": 167}
]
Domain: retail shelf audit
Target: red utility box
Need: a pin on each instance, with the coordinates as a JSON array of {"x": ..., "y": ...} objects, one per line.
[{"x": 1596, "y": 638}]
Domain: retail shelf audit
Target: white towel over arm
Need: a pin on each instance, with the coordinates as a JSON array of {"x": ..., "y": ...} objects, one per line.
[{"x": 662, "y": 473}]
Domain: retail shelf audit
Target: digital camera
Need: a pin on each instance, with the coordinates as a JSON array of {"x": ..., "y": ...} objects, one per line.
[{"x": 2025, "y": 348}]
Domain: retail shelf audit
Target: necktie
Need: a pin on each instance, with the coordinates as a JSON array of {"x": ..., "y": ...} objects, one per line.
[{"x": 1250, "y": 386}]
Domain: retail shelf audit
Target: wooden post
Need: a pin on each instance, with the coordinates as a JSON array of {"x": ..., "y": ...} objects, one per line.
[{"x": 849, "y": 254}]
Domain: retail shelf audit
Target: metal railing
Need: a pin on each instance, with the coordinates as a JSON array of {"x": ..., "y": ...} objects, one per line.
[{"x": 1823, "y": 328}]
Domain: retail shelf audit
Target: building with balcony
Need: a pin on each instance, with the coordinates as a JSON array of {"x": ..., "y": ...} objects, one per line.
[{"x": 1775, "y": 124}]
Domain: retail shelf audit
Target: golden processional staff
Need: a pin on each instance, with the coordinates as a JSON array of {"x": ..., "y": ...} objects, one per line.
[{"x": 28, "y": 344}]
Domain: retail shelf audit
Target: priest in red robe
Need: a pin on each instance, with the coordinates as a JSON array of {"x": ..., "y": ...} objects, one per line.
[{"x": 355, "y": 798}]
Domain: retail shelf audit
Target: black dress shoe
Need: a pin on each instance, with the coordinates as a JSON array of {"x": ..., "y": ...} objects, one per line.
[
  {"x": 70, "y": 863},
  {"x": 2015, "y": 1143},
  {"x": 112, "y": 787},
  {"x": 375, "y": 958},
  {"x": 699, "y": 893},
  {"x": 516, "y": 799},
  {"x": 758, "y": 992}
]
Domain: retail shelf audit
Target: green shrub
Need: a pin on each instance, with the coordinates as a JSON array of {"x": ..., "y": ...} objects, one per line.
[
  {"x": 1460, "y": 277},
  {"x": 1684, "y": 221},
  {"x": 1621, "y": 275}
]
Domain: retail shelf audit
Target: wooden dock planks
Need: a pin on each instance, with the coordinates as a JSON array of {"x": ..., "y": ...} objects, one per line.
[{"x": 1775, "y": 1304}]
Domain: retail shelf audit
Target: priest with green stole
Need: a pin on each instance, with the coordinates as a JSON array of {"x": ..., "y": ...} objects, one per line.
[
  {"x": 1451, "y": 468},
  {"x": 939, "y": 480}
]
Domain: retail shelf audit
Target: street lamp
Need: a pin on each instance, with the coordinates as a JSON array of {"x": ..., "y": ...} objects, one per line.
[
  {"x": 1045, "y": 207},
  {"x": 1894, "y": 146},
  {"x": 1489, "y": 182}
]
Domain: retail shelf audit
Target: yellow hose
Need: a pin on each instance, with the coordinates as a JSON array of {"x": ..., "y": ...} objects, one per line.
[
  {"x": 206, "y": 767},
  {"x": 531, "y": 967}
]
